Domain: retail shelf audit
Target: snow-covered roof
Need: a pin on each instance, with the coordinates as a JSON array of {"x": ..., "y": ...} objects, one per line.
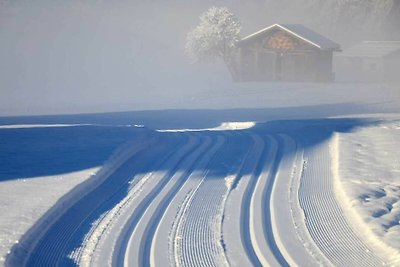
[
  {"x": 372, "y": 49},
  {"x": 301, "y": 32}
]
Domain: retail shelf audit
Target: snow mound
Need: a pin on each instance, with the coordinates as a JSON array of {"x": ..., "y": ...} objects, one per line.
[
  {"x": 225, "y": 126},
  {"x": 368, "y": 168},
  {"x": 235, "y": 126}
]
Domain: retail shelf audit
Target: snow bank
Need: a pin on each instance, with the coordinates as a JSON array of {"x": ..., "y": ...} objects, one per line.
[
  {"x": 225, "y": 126},
  {"x": 29, "y": 201},
  {"x": 36, "y": 202},
  {"x": 367, "y": 169}
]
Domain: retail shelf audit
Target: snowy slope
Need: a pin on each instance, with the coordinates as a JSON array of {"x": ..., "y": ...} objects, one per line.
[
  {"x": 237, "y": 186},
  {"x": 24, "y": 201},
  {"x": 368, "y": 173},
  {"x": 40, "y": 169}
]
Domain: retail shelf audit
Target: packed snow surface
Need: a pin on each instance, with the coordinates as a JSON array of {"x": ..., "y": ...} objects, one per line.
[
  {"x": 20, "y": 207},
  {"x": 277, "y": 185},
  {"x": 369, "y": 174}
]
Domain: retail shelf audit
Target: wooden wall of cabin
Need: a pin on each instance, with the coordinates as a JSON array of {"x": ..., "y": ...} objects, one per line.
[
  {"x": 324, "y": 72},
  {"x": 279, "y": 55},
  {"x": 256, "y": 65},
  {"x": 308, "y": 66},
  {"x": 270, "y": 65},
  {"x": 299, "y": 66}
]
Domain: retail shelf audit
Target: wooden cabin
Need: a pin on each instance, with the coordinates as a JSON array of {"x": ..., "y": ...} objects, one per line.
[
  {"x": 370, "y": 61},
  {"x": 286, "y": 52}
]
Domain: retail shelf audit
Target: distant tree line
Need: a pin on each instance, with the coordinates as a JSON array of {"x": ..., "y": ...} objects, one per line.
[{"x": 379, "y": 18}]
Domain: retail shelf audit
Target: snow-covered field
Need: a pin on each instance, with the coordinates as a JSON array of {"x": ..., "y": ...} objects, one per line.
[
  {"x": 24, "y": 201},
  {"x": 253, "y": 175},
  {"x": 368, "y": 169}
]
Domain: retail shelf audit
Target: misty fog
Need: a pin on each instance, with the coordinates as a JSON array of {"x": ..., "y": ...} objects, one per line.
[{"x": 97, "y": 56}]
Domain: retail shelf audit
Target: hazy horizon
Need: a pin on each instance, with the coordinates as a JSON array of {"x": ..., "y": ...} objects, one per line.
[{"x": 98, "y": 56}]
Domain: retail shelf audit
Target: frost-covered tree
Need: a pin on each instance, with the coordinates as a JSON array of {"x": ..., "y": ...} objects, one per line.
[{"x": 215, "y": 37}]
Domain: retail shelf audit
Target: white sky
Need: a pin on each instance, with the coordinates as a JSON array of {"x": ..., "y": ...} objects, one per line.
[{"x": 89, "y": 56}]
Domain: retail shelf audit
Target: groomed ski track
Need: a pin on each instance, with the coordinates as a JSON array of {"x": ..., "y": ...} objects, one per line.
[
  {"x": 209, "y": 198},
  {"x": 325, "y": 218}
]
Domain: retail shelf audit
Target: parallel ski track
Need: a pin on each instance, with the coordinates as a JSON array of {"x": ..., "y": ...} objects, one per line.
[
  {"x": 236, "y": 224},
  {"x": 156, "y": 249},
  {"x": 324, "y": 217},
  {"x": 55, "y": 245},
  {"x": 247, "y": 216},
  {"x": 286, "y": 214},
  {"x": 159, "y": 246},
  {"x": 145, "y": 187},
  {"x": 197, "y": 240},
  {"x": 181, "y": 211},
  {"x": 264, "y": 245},
  {"x": 142, "y": 223}
]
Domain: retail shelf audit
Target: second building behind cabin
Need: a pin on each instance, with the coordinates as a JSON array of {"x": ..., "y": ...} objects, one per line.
[{"x": 370, "y": 61}]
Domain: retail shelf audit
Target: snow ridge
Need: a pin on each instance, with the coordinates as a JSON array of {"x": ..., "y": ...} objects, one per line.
[
  {"x": 213, "y": 198},
  {"x": 324, "y": 217},
  {"x": 385, "y": 251}
]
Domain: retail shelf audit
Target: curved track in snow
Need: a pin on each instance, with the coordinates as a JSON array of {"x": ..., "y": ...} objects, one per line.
[
  {"x": 66, "y": 234},
  {"x": 324, "y": 217},
  {"x": 209, "y": 198},
  {"x": 136, "y": 250}
]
